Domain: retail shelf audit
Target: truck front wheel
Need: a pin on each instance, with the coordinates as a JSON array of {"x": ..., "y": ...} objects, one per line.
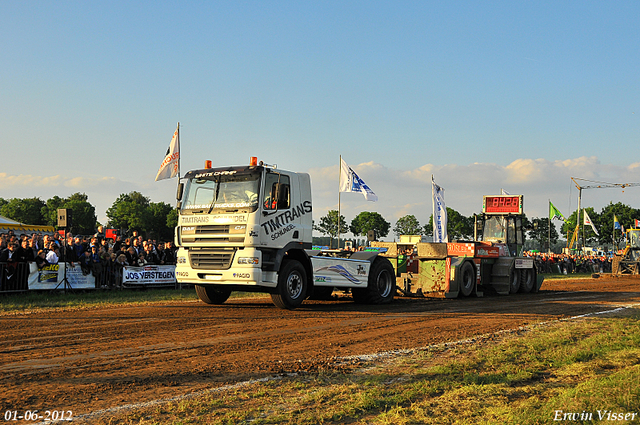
[
  {"x": 212, "y": 294},
  {"x": 292, "y": 285}
]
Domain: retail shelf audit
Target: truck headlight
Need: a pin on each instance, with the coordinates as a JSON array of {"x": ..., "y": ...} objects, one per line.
[
  {"x": 181, "y": 260},
  {"x": 248, "y": 260}
]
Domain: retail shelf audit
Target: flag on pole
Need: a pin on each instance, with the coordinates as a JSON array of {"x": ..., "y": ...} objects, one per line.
[
  {"x": 439, "y": 213},
  {"x": 504, "y": 192},
  {"x": 636, "y": 224},
  {"x": 554, "y": 212},
  {"x": 616, "y": 223},
  {"x": 587, "y": 220},
  {"x": 171, "y": 165},
  {"x": 351, "y": 182}
]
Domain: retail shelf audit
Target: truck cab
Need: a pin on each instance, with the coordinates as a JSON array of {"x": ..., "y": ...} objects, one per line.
[{"x": 249, "y": 228}]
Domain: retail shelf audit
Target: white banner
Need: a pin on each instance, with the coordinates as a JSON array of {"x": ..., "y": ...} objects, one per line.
[
  {"x": 149, "y": 275},
  {"x": 587, "y": 220},
  {"x": 351, "y": 182},
  {"x": 171, "y": 165},
  {"x": 51, "y": 276},
  {"x": 439, "y": 213}
]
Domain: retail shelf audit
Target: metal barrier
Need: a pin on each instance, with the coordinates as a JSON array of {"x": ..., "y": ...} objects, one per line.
[{"x": 14, "y": 277}]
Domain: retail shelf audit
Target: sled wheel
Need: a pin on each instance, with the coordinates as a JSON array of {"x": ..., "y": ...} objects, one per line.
[{"x": 468, "y": 279}]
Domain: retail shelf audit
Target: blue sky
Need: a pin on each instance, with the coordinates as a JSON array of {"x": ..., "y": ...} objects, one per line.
[{"x": 484, "y": 95}]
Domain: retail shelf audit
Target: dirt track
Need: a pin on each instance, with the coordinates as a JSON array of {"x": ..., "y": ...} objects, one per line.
[{"x": 86, "y": 360}]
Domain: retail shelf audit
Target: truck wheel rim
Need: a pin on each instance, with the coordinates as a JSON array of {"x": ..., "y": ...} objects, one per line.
[
  {"x": 384, "y": 283},
  {"x": 294, "y": 285}
]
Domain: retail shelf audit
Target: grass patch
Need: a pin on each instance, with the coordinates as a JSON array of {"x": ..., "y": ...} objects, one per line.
[
  {"x": 559, "y": 276},
  {"x": 41, "y": 300},
  {"x": 571, "y": 366}
]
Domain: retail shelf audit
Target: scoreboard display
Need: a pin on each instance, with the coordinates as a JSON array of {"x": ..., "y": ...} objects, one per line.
[{"x": 502, "y": 204}]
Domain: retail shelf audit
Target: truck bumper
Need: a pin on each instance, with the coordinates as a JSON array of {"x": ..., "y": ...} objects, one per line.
[{"x": 250, "y": 277}]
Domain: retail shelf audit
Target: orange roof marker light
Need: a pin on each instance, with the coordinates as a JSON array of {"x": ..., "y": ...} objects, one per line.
[
  {"x": 207, "y": 163},
  {"x": 253, "y": 161}
]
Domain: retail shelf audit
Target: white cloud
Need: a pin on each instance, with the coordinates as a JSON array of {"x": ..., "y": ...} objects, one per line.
[
  {"x": 400, "y": 191},
  {"x": 408, "y": 191}
]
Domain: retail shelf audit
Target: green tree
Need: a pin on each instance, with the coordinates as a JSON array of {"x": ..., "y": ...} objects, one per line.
[
  {"x": 83, "y": 219},
  {"x": 407, "y": 225},
  {"x": 538, "y": 230},
  {"x": 27, "y": 211},
  {"x": 158, "y": 225},
  {"x": 366, "y": 221},
  {"x": 570, "y": 224},
  {"x": 625, "y": 215},
  {"x": 130, "y": 212},
  {"x": 329, "y": 225},
  {"x": 172, "y": 219},
  {"x": 458, "y": 226}
]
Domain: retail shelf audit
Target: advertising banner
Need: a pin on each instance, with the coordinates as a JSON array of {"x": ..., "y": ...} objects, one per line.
[
  {"x": 149, "y": 275},
  {"x": 51, "y": 276}
]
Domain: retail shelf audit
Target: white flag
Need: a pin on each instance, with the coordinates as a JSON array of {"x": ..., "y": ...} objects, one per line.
[
  {"x": 171, "y": 165},
  {"x": 587, "y": 220},
  {"x": 439, "y": 213},
  {"x": 351, "y": 182},
  {"x": 504, "y": 192}
]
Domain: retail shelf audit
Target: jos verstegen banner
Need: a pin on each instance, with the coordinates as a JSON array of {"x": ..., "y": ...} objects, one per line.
[
  {"x": 439, "y": 213},
  {"x": 351, "y": 182},
  {"x": 171, "y": 165}
]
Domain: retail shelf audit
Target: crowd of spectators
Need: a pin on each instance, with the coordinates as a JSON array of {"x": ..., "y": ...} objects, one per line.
[
  {"x": 570, "y": 263},
  {"x": 103, "y": 257}
]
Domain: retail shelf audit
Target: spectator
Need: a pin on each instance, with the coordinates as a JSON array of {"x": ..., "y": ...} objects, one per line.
[
  {"x": 132, "y": 257},
  {"x": 9, "y": 254},
  {"x": 41, "y": 261},
  {"x": 150, "y": 256},
  {"x": 24, "y": 254},
  {"x": 53, "y": 254}
]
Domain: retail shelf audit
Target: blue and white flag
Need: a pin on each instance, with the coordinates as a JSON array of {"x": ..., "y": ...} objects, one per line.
[
  {"x": 351, "y": 182},
  {"x": 439, "y": 213}
]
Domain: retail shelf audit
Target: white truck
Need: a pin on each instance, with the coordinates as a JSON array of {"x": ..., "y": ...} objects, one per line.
[{"x": 249, "y": 228}]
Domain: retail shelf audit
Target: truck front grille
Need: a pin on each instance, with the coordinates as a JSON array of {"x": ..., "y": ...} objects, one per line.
[{"x": 211, "y": 258}]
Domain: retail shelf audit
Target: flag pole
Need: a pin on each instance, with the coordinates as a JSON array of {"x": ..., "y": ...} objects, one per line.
[
  {"x": 339, "y": 175},
  {"x": 549, "y": 250}
]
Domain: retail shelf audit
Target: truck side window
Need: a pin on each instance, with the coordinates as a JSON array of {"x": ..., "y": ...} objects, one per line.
[{"x": 271, "y": 200}]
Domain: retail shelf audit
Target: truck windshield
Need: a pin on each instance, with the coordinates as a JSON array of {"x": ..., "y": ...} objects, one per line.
[
  {"x": 494, "y": 229},
  {"x": 235, "y": 191}
]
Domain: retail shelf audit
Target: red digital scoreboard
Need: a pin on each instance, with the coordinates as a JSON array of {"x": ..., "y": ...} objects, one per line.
[{"x": 502, "y": 204}]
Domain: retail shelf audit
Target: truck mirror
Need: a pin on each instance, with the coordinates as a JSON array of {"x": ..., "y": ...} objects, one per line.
[{"x": 180, "y": 191}]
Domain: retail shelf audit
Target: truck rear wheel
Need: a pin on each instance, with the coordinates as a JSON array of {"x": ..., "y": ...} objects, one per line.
[
  {"x": 468, "y": 279},
  {"x": 213, "y": 294},
  {"x": 292, "y": 285},
  {"x": 514, "y": 280},
  {"x": 527, "y": 280},
  {"x": 381, "y": 286}
]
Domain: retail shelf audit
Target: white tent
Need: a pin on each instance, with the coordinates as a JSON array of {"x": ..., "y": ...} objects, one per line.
[{"x": 7, "y": 224}]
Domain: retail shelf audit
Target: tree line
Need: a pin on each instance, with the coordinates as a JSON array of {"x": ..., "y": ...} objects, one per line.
[
  {"x": 129, "y": 212},
  {"x": 134, "y": 211},
  {"x": 460, "y": 227}
]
